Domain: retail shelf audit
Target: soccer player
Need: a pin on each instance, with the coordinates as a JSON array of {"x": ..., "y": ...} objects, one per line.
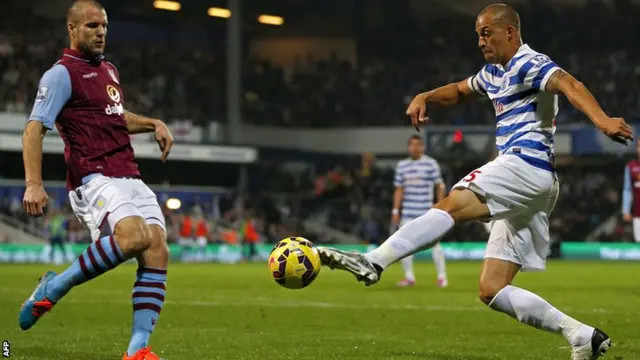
[
  {"x": 56, "y": 229},
  {"x": 518, "y": 189},
  {"x": 631, "y": 194},
  {"x": 415, "y": 180},
  {"x": 82, "y": 97}
]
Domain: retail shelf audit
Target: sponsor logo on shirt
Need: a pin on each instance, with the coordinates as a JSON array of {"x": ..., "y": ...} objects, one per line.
[
  {"x": 114, "y": 109},
  {"x": 117, "y": 108}
]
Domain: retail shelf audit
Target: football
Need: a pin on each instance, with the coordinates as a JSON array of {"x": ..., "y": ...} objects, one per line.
[{"x": 294, "y": 262}]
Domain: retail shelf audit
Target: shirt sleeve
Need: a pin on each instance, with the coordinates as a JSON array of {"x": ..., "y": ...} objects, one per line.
[
  {"x": 478, "y": 82},
  {"x": 627, "y": 192},
  {"x": 54, "y": 90},
  {"x": 438, "y": 174},
  {"x": 537, "y": 71},
  {"x": 398, "y": 178}
]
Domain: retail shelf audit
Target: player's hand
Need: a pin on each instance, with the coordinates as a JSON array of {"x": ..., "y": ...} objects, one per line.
[
  {"x": 627, "y": 218},
  {"x": 417, "y": 110},
  {"x": 35, "y": 200},
  {"x": 164, "y": 139},
  {"x": 617, "y": 130},
  {"x": 395, "y": 219}
]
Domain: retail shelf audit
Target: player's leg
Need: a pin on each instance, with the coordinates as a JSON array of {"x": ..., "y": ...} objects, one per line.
[
  {"x": 52, "y": 249},
  {"x": 59, "y": 243},
  {"x": 149, "y": 289},
  {"x": 636, "y": 229},
  {"x": 419, "y": 234},
  {"x": 409, "y": 276},
  {"x": 503, "y": 188},
  {"x": 97, "y": 202},
  {"x": 514, "y": 246},
  {"x": 497, "y": 292},
  {"x": 440, "y": 262}
]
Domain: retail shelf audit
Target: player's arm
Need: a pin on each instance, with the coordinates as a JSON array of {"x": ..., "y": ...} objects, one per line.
[
  {"x": 138, "y": 124},
  {"x": 32, "y": 152},
  {"x": 440, "y": 191},
  {"x": 398, "y": 195},
  {"x": 561, "y": 82},
  {"x": 627, "y": 195},
  {"x": 54, "y": 90},
  {"x": 440, "y": 186},
  {"x": 448, "y": 95}
]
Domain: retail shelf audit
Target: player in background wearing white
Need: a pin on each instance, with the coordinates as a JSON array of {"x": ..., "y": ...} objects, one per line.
[
  {"x": 414, "y": 181},
  {"x": 517, "y": 190}
]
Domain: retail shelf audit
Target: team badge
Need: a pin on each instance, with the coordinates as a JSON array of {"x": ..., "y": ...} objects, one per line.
[
  {"x": 100, "y": 203},
  {"x": 113, "y": 76},
  {"x": 113, "y": 93}
]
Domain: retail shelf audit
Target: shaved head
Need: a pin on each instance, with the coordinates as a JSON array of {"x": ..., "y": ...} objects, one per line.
[
  {"x": 503, "y": 14},
  {"x": 77, "y": 10},
  {"x": 87, "y": 26},
  {"x": 498, "y": 29}
]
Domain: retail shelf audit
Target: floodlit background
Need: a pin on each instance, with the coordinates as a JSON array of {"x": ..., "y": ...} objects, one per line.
[{"x": 289, "y": 119}]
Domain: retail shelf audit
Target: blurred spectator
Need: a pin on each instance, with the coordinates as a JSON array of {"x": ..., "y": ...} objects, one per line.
[{"x": 334, "y": 92}]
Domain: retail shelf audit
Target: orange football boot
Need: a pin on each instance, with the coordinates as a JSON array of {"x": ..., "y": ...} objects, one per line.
[{"x": 142, "y": 354}]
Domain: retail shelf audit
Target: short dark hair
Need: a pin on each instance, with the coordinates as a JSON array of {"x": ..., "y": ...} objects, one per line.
[
  {"x": 78, "y": 4},
  {"x": 503, "y": 13},
  {"x": 414, "y": 137}
]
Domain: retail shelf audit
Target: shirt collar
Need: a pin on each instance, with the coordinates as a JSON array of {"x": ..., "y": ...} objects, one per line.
[
  {"x": 75, "y": 54},
  {"x": 522, "y": 50}
]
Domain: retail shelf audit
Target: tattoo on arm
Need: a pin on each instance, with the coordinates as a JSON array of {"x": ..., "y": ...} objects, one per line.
[{"x": 553, "y": 84}]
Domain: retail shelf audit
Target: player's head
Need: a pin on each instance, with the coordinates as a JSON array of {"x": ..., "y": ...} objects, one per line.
[
  {"x": 415, "y": 146},
  {"x": 87, "y": 26},
  {"x": 498, "y": 29}
]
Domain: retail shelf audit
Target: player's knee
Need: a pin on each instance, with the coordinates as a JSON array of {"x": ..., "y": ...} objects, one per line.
[
  {"x": 463, "y": 205},
  {"x": 452, "y": 202},
  {"x": 159, "y": 247},
  {"x": 488, "y": 291},
  {"x": 133, "y": 235}
]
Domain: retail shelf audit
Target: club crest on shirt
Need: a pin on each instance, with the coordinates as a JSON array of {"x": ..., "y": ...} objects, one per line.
[
  {"x": 113, "y": 93},
  {"x": 113, "y": 76},
  {"x": 100, "y": 202}
]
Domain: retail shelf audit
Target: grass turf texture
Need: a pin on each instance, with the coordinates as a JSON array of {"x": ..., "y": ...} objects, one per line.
[{"x": 216, "y": 311}]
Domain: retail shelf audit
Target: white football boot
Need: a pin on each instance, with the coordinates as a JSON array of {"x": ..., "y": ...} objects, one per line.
[
  {"x": 596, "y": 347},
  {"x": 352, "y": 262}
]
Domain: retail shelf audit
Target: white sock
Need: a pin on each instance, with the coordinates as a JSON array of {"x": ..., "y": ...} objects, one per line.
[
  {"x": 439, "y": 261},
  {"x": 533, "y": 310},
  {"x": 407, "y": 265},
  {"x": 419, "y": 234}
]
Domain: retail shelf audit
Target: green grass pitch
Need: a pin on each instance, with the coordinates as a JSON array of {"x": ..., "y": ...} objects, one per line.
[{"x": 216, "y": 311}]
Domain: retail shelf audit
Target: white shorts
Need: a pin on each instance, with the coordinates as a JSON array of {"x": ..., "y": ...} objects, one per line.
[
  {"x": 520, "y": 198},
  {"x": 636, "y": 229},
  {"x": 108, "y": 200}
]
